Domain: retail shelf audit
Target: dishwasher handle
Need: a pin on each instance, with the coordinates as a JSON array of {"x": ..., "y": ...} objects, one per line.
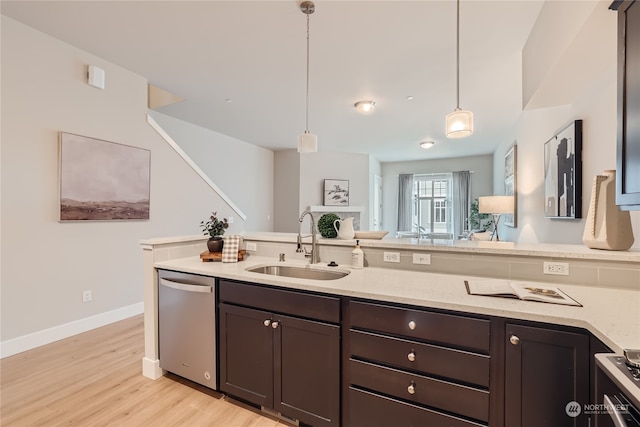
[{"x": 186, "y": 287}]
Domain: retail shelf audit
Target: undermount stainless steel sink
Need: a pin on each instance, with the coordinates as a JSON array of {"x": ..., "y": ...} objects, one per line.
[{"x": 299, "y": 272}]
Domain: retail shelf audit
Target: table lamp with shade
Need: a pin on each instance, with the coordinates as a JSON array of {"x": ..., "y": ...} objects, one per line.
[{"x": 496, "y": 206}]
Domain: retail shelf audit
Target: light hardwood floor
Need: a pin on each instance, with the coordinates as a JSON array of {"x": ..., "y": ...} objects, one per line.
[{"x": 95, "y": 379}]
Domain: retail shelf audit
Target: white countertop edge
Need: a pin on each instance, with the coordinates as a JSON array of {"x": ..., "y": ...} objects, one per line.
[
  {"x": 615, "y": 320},
  {"x": 169, "y": 240},
  {"x": 565, "y": 251},
  {"x": 469, "y": 246}
]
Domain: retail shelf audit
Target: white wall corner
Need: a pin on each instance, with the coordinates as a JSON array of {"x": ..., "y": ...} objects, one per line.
[{"x": 194, "y": 166}]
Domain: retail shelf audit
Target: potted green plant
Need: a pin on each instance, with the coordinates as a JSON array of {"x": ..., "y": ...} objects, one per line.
[
  {"x": 479, "y": 222},
  {"x": 325, "y": 225},
  {"x": 214, "y": 228}
]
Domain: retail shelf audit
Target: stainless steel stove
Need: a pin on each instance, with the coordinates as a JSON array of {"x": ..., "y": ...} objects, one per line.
[
  {"x": 630, "y": 371},
  {"x": 618, "y": 390}
]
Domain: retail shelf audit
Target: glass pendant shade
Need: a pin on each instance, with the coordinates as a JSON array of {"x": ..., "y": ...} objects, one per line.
[
  {"x": 307, "y": 143},
  {"x": 459, "y": 123}
]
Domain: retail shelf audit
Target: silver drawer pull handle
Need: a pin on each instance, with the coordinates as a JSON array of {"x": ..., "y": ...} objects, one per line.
[
  {"x": 412, "y": 388},
  {"x": 411, "y": 356},
  {"x": 267, "y": 322},
  {"x": 274, "y": 325},
  {"x": 514, "y": 340},
  {"x": 412, "y": 325}
]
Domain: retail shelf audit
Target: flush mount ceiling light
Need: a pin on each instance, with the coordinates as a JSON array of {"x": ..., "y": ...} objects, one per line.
[
  {"x": 365, "y": 106},
  {"x": 307, "y": 142},
  {"x": 459, "y": 123},
  {"x": 427, "y": 144}
]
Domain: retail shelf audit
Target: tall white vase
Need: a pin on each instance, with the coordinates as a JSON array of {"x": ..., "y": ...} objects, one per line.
[{"x": 607, "y": 226}]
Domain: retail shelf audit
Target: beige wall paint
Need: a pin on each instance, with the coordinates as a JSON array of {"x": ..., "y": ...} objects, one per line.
[
  {"x": 299, "y": 179},
  {"x": 481, "y": 180},
  {"x": 353, "y": 167},
  {"x": 286, "y": 191},
  {"x": 47, "y": 264},
  {"x": 241, "y": 170},
  {"x": 595, "y": 104}
]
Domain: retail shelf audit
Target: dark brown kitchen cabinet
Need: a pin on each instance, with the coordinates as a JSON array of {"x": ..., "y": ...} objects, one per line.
[
  {"x": 406, "y": 366},
  {"x": 628, "y": 148},
  {"x": 271, "y": 357},
  {"x": 545, "y": 370}
]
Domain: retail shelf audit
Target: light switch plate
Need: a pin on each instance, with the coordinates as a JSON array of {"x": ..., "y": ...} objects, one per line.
[{"x": 424, "y": 259}]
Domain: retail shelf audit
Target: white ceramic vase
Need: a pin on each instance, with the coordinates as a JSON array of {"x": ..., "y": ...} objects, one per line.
[
  {"x": 346, "y": 230},
  {"x": 607, "y": 226}
]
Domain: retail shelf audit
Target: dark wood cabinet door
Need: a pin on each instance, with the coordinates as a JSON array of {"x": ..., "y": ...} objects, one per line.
[
  {"x": 628, "y": 152},
  {"x": 246, "y": 354},
  {"x": 544, "y": 371},
  {"x": 307, "y": 370}
]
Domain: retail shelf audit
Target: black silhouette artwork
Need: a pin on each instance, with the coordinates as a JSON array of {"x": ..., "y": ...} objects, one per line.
[
  {"x": 563, "y": 173},
  {"x": 566, "y": 187}
]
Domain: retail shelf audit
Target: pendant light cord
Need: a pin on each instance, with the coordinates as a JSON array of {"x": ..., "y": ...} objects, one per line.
[
  {"x": 457, "y": 54},
  {"x": 307, "y": 107}
]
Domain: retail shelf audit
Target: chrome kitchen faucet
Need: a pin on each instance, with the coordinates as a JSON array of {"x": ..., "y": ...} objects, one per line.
[{"x": 314, "y": 253}]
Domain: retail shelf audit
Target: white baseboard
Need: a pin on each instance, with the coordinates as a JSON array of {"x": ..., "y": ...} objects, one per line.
[
  {"x": 47, "y": 336},
  {"x": 151, "y": 368}
]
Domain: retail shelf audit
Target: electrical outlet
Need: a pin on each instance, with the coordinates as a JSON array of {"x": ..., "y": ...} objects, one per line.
[
  {"x": 252, "y": 246},
  {"x": 556, "y": 268},
  {"x": 391, "y": 257},
  {"x": 86, "y": 296},
  {"x": 424, "y": 259},
  {"x": 230, "y": 220}
]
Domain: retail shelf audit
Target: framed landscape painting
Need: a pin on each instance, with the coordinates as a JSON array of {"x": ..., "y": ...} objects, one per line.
[
  {"x": 336, "y": 192},
  {"x": 563, "y": 173},
  {"x": 101, "y": 180}
]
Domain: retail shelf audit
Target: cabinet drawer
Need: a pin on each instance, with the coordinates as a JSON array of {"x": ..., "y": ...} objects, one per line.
[
  {"x": 444, "y": 362},
  {"x": 466, "y": 401},
  {"x": 450, "y": 329},
  {"x": 296, "y": 303},
  {"x": 368, "y": 409}
]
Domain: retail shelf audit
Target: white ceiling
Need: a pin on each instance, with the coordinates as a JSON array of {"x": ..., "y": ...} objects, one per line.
[{"x": 254, "y": 54}]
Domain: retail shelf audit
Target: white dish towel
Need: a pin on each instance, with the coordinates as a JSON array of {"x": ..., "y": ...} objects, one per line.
[{"x": 230, "y": 248}]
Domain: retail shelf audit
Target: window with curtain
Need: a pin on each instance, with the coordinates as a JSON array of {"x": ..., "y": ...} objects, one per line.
[{"x": 432, "y": 206}]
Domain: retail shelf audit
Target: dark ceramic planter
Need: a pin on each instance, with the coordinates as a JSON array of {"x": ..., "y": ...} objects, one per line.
[{"x": 215, "y": 244}]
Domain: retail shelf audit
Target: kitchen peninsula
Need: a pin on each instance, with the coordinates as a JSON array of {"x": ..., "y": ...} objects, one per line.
[{"x": 607, "y": 284}]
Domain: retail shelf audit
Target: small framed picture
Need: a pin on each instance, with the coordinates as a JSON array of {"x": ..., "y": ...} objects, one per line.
[
  {"x": 336, "y": 192},
  {"x": 510, "y": 177}
]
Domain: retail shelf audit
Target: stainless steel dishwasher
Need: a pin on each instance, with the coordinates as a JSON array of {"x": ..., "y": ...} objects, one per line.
[{"x": 187, "y": 325}]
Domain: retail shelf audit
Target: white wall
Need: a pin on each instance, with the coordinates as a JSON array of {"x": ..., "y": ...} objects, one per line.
[
  {"x": 316, "y": 167},
  {"x": 309, "y": 171},
  {"x": 481, "y": 180},
  {"x": 232, "y": 164},
  {"x": 47, "y": 264},
  {"x": 595, "y": 104},
  {"x": 286, "y": 191},
  {"x": 375, "y": 168}
]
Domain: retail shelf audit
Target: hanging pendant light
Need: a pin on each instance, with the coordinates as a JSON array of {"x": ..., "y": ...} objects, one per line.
[
  {"x": 307, "y": 142},
  {"x": 459, "y": 122}
]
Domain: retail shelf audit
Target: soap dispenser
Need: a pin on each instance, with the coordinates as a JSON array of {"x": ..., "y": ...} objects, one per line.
[{"x": 357, "y": 256}]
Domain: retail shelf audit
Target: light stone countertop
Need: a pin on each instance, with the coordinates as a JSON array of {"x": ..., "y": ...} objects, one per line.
[
  {"x": 612, "y": 315},
  {"x": 485, "y": 247}
]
